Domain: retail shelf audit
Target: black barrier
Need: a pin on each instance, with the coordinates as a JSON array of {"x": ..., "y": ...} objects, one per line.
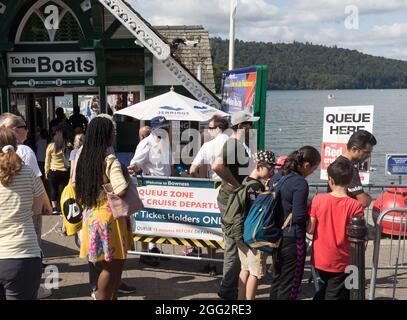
[{"x": 356, "y": 232}]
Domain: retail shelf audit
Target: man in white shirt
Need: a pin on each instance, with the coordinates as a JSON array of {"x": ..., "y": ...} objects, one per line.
[
  {"x": 153, "y": 154},
  {"x": 212, "y": 149},
  {"x": 153, "y": 157}
]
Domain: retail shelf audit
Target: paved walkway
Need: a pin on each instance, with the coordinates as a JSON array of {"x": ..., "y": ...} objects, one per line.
[{"x": 174, "y": 279}]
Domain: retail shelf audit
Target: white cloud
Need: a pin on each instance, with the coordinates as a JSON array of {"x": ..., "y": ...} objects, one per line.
[
  {"x": 397, "y": 53},
  {"x": 209, "y": 12},
  {"x": 316, "y": 21},
  {"x": 395, "y": 31},
  {"x": 334, "y": 10}
]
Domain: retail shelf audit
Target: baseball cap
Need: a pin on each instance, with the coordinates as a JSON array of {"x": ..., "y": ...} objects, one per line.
[
  {"x": 242, "y": 116},
  {"x": 280, "y": 161},
  {"x": 265, "y": 156},
  {"x": 158, "y": 122}
]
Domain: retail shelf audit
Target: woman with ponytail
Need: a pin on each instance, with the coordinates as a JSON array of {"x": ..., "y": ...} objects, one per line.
[
  {"x": 288, "y": 266},
  {"x": 20, "y": 198},
  {"x": 20, "y": 130},
  {"x": 57, "y": 166}
]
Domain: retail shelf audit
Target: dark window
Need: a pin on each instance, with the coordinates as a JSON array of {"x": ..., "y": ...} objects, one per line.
[
  {"x": 34, "y": 30},
  {"x": 122, "y": 62},
  {"x": 69, "y": 29}
]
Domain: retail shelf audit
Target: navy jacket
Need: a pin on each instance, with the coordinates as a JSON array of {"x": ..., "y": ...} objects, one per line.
[{"x": 294, "y": 196}]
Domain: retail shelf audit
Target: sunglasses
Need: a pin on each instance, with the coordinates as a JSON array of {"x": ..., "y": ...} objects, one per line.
[
  {"x": 22, "y": 127},
  {"x": 212, "y": 128}
]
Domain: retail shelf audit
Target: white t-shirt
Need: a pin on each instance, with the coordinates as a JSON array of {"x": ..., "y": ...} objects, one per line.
[
  {"x": 209, "y": 152},
  {"x": 153, "y": 156},
  {"x": 28, "y": 156},
  {"x": 41, "y": 149}
]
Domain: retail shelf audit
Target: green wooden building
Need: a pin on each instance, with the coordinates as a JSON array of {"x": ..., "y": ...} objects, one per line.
[{"x": 62, "y": 53}]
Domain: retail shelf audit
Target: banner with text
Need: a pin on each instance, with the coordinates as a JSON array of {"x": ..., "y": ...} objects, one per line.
[
  {"x": 178, "y": 208},
  {"x": 339, "y": 124},
  {"x": 239, "y": 90}
]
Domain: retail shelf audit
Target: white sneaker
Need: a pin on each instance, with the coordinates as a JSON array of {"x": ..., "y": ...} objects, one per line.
[{"x": 43, "y": 293}]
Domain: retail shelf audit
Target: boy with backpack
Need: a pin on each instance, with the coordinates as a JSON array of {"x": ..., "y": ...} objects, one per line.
[
  {"x": 330, "y": 214},
  {"x": 252, "y": 261}
]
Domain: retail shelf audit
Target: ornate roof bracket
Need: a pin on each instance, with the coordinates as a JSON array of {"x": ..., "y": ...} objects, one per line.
[
  {"x": 132, "y": 21},
  {"x": 160, "y": 49},
  {"x": 196, "y": 88}
]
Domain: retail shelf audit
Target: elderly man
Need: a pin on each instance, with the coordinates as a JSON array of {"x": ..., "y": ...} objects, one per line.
[
  {"x": 153, "y": 154},
  {"x": 144, "y": 132},
  {"x": 153, "y": 157}
]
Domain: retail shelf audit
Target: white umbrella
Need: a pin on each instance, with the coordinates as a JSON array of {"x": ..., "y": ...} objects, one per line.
[{"x": 172, "y": 106}]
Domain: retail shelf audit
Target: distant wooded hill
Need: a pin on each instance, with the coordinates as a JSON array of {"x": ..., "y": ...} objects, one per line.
[{"x": 307, "y": 66}]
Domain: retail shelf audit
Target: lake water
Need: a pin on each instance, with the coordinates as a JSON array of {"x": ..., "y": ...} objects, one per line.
[{"x": 295, "y": 119}]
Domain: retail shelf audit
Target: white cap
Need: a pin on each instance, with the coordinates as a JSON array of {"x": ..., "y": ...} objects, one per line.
[{"x": 242, "y": 116}]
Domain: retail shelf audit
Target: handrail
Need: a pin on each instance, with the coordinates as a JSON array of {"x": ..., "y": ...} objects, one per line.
[
  {"x": 130, "y": 19},
  {"x": 376, "y": 248},
  {"x": 322, "y": 184},
  {"x": 160, "y": 48}
]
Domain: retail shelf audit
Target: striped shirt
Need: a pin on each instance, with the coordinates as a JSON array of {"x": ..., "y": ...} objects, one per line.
[{"x": 18, "y": 238}]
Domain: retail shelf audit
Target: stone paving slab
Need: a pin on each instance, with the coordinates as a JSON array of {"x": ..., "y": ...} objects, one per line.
[{"x": 177, "y": 279}]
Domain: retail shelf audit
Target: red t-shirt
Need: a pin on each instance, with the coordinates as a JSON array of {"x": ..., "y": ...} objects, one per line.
[{"x": 331, "y": 248}]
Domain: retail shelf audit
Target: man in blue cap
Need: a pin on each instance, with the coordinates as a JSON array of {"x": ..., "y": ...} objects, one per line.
[{"x": 153, "y": 157}]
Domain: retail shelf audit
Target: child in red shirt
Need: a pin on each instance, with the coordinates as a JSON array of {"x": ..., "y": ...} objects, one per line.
[{"x": 330, "y": 214}]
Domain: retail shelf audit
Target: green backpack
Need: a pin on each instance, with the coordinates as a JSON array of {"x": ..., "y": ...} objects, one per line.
[{"x": 236, "y": 211}]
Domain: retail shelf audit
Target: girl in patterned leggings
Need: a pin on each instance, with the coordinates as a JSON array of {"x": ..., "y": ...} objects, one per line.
[{"x": 289, "y": 263}]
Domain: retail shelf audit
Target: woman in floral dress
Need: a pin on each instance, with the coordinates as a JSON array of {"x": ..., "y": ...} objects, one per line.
[{"x": 105, "y": 240}]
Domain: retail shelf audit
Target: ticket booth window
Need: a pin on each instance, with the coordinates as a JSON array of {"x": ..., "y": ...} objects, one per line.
[{"x": 119, "y": 98}]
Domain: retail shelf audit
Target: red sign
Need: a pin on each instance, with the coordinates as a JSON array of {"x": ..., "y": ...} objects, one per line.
[{"x": 331, "y": 151}]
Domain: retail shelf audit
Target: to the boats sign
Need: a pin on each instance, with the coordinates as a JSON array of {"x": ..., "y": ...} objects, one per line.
[
  {"x": 339, "y": 124},
  {"x": 51, "y": 64}
]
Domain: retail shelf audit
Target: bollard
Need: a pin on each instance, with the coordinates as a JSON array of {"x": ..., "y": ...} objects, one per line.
[{"x": 356, "y": 232}]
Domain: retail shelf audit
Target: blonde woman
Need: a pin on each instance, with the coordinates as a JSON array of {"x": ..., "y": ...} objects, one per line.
[
  {"x": 57, "y": 167},
  {"x": 21, "y": 194}
]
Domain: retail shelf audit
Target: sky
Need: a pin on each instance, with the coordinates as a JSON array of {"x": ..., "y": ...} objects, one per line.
[{"x": 376, "y": 27}]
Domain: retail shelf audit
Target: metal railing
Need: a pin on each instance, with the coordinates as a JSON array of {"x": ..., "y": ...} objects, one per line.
[
  {"x": 376, "y": 250},
  {"x": 392, "y": 258}
]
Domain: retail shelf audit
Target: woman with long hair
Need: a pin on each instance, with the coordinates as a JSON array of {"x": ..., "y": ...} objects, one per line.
[
  {"x": 105, "y": 240},
  {"x": 20, "y": 198},
  {"x": 57, "y": 167},
  {"x": 288, "y": 266}
]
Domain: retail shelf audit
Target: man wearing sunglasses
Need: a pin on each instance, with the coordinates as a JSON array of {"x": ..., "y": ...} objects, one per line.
[
  {"x": 211, "y": 149},
  {"x": 359, "y": 149}
]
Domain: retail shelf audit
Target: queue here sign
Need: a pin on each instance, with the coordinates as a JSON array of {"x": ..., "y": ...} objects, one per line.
[{"x": 339, "y": 124}]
